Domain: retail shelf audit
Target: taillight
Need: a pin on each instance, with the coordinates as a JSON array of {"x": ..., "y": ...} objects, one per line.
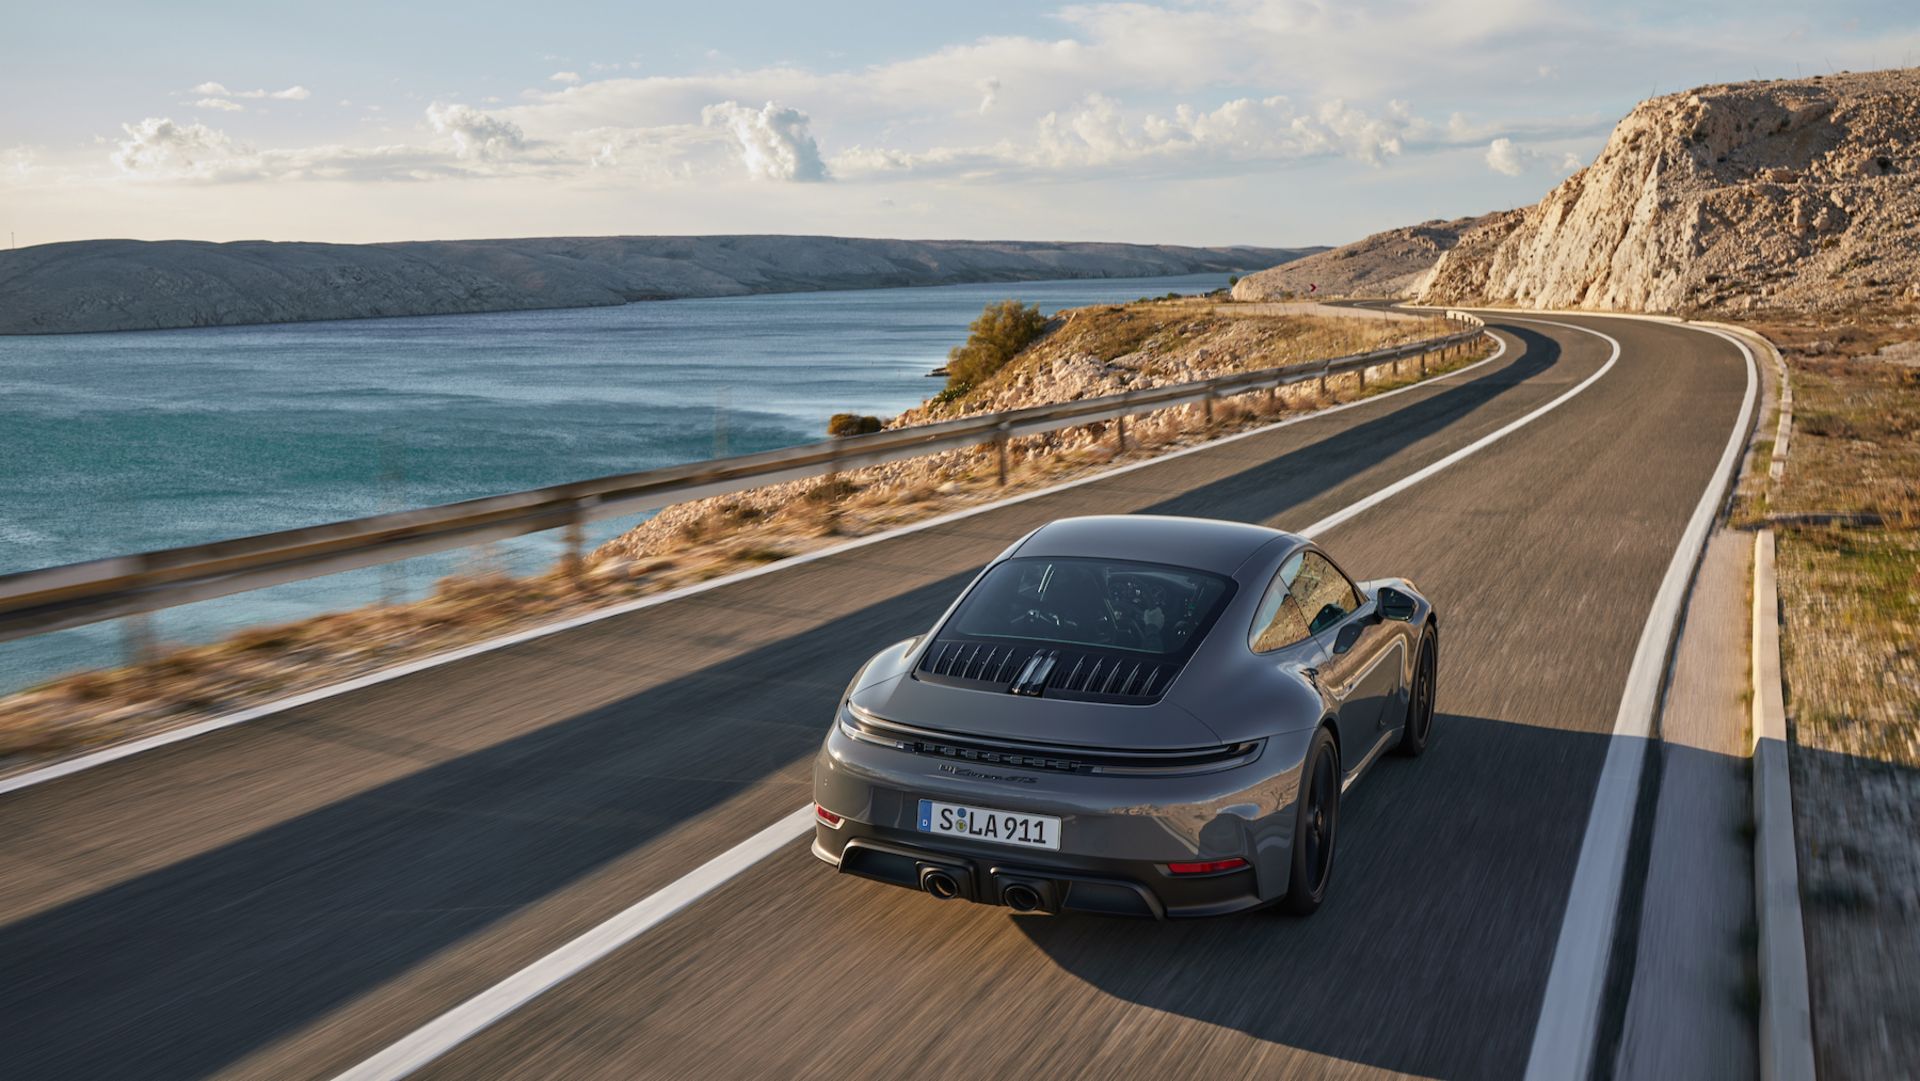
[
  {"x": 1208, "y": 867},
  {"x": 826, "y": 817}
]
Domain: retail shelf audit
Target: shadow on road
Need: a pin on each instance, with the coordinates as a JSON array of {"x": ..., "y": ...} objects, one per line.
[{"x": 1464, "y": 853}]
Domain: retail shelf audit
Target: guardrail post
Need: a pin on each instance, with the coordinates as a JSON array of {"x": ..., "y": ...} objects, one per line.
[
  {"x": 1000, "y": 448},
  {"x": 1206, "y": 405},
  {"x": 1323, "y": 382},
  {"x": 1361, "y": 371},
  {"x": 1120, "y": 434},
  {"x": 136, "y": 638},
  {"x": 576, "y": 542},
  {"x": 833, "y": 487}
]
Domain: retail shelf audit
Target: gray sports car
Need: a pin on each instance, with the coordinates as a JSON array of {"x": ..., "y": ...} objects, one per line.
[{"x": 1130, "y": 715}]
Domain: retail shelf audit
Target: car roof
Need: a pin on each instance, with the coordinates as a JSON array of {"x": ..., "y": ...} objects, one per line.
[{"x": 1206, "y": 544}]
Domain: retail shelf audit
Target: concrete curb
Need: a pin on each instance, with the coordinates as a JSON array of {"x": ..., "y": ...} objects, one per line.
[
  {"x": 1786, "y": 1012},
  {"x": 1786, "y": 1009}
]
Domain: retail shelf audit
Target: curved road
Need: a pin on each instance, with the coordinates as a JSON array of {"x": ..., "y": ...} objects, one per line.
[{"x": 287, "y": 898}]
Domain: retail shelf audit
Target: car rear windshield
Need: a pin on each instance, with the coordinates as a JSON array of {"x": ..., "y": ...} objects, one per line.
[{"x": 1141, "y": 607}]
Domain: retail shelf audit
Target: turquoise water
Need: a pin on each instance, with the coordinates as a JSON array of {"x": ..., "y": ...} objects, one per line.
[{"x": 120, "y": 443}]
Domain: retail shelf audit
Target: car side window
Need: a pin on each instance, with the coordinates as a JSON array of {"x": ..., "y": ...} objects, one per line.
[
  {"x": 1277, "y": 622},
  {"x": 1323, "y": 594}
]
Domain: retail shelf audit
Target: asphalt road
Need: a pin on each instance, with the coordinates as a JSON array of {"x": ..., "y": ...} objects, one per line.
[{"x": 286, "y": 898}]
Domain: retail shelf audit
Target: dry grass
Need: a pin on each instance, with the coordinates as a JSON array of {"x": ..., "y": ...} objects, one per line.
[
  {"x": 1851, "y": 600},
  {"x": 1851, "y": 594}
]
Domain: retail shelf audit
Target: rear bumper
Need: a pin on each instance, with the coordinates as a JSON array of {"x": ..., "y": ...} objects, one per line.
[
  {"x": 1118, "y": 832},
  {"x": 1093, "y": 886}
]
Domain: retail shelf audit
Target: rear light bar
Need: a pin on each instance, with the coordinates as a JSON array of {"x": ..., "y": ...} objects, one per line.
[
  {"x": 1207, "y": 867},
  {"x": 827, "y": 818}
]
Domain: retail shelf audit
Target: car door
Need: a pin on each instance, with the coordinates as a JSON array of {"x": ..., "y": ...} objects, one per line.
[
  {"x": 1356, "y": 653},
  {"x": 1304, "y": 637}
]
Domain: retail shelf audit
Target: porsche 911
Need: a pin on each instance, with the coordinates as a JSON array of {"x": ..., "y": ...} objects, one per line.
[{"x": 1129, "y": 715}]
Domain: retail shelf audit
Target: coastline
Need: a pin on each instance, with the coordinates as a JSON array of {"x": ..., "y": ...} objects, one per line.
[{"x": 111, "y": 286}]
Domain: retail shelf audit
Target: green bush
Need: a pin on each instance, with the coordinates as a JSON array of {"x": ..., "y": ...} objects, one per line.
[
  {"x": 852, "y": 424},
  {"x": 1001, "y": 331}
]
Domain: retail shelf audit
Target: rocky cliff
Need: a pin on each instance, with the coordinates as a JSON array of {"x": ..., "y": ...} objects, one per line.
[
  {"x": 140, "y": 285},
  {"x": 1799, "y": 195},
  {"x": 1387, "y": 264}
]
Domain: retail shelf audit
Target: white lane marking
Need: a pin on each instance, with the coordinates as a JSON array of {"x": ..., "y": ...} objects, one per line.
[
  {"x": 319, "y": 694},
  {"x": 1569, "y": 1026},
  {"x": 452, "y": 1028},
  {"x": 1472, "y": 448},
  {"x": 468, "y": 1019}
]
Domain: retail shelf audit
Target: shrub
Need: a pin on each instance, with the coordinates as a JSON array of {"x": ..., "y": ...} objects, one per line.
[
  {"x": 1001, "y": 331},
  {"x": 852, "y": 424}
]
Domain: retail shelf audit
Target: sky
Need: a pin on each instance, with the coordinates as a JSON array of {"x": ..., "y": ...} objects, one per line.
[{"x": 1268, "y": 122}]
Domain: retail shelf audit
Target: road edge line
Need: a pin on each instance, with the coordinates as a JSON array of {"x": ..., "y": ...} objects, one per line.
[
  {"x": 1566, "y": 1033},
  {"x": 116, "y": 752},
  {"x": 1411, "y": 479},
  {"x": 456, "y": 1026}
]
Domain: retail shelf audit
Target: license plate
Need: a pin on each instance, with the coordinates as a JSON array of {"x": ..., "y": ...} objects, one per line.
[{"x": 986, "y": 824}]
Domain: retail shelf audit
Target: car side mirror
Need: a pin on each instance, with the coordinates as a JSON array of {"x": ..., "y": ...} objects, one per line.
[{"x": 1393, "y": 604}]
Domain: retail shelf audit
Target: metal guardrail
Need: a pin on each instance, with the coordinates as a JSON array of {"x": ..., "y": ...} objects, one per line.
[{"x": 55, "y": 598}]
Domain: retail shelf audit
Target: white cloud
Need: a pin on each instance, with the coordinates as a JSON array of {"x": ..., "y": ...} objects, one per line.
[
  {"x": 221, "y": 104},
  {"x": 1100, "y": 134},
  {"x": 19, "y": 163},
  {"x": 157, "y": 145},
  {"x": 219, "y": 90},
  {"x": 476, "y": 135},
  {"x": 1511, "y": 158},
  {"x": 1504, "y": 157},
  {"x": 774, "y": 142},
  {"x": 571, "y": 78}
]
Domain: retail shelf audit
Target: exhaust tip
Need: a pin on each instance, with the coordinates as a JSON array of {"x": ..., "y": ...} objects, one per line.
[
  {"x": 1021, "y": 898},
  {"x": 941, "y": 885}
]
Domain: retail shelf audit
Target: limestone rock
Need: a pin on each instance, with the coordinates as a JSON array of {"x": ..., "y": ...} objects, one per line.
[
  {"x": 1798, "y": 195},
  {"x": 1387, "y": 264}
]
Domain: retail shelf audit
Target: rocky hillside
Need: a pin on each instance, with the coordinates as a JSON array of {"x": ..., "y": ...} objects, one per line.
[
  {"x": 1799, "y": 195},
  {"x": 140, "y": 285},
  {"x": 1385, "y": 264}
]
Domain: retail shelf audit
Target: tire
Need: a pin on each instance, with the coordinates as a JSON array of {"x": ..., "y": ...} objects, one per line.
[
  {"x": 1418, "y": 727},
  {"x": 1315, "y": 827}
]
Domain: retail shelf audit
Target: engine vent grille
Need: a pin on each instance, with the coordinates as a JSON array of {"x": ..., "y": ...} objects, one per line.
[{"x": 1044, "y": 671}]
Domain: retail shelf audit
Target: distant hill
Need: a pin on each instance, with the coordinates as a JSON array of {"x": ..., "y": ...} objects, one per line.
[
  {"x": 97, "y": 285},
  {"x": 1385, "y": 264},
  {"x": 1795, "y": 195}
]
